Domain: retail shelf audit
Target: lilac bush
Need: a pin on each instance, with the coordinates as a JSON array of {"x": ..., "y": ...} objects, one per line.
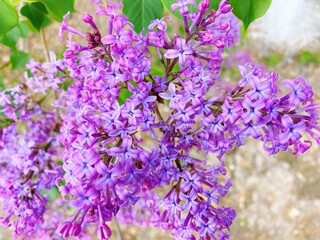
[{"x": 119, "y": 134}]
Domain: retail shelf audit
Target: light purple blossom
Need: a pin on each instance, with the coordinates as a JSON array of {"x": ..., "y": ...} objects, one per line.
[
  {"x": 127, "y": 128},
  {"x": 181, "y": 51}
]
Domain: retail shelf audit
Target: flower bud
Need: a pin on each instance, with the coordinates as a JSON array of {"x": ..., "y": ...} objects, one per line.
[
  {"x": 224, "y": 7},
  {"x": 67, "y": 55},
  {"x": 203, "y": 6},
  {"x": 104, "y": 232},
  {"x": 97, "y": 39},
  {"x": 75, "y": 229},
  {"x": 219, "y": 43},
  {"x": 87, "y": 18},
  {"x": 64, "y": 229},
  {"x": 184, "y": 11}
]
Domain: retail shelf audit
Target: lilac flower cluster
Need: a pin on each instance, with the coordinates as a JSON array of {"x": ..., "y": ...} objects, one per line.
[
  {"x": 108, "y": 165},
  {"x": 129, "y": 130},
  {"x": 28, "y": 148},
  {"x": 13, "y": 104},
  {"x": 45, "y": 75}
]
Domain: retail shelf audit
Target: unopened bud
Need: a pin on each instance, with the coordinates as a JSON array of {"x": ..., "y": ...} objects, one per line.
[
  {"x": 219, "y": 43},
  {"x": 224, "y": 7},
  {"x": 104, "y": 232},
  {"x": 75, "y": 229},
  {"x": 64, "y": 229},
  {"x": 87, "y": 18},
  {"x": 97, "y": 39}
]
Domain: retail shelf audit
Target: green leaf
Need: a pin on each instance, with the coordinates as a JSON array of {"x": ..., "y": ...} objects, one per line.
[
  {"x": 13, "y": 3},
  {"x": 59, "y": 162},
  {"x": 273, "y": 59},
  {"x": 8, "y": 17},
  {"x": 16, "y": 2},
  {"x": 37, "y": 17},
  {"x": 4, "y": 122},
  {"x": 307, "y": 56},
  {"x": 155, "y": 70},
  {"x": 2, "y": 85},
  {"x": 65, "y": 84},
  {"x": 58, "y": 8},
  {"x": 41, "y": 7},
  {"x": 249, "y": 10},
  {"x": 19, "y": 59},
  {"x": 12, "y": 37},
  {"x": 24, "y": 30},
  {"x": 214, "y": 4},
  {"x": 124, "y": 95},
  {"x": 141, "y": 12},
  {"x": 52, "y": 193}
]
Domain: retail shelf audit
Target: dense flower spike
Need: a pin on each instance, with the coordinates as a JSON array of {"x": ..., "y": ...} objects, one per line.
[
  {"x": 128, "y": 130},
  {"x": 32, "y": 168},
  {"x": 29, "y": 139}
]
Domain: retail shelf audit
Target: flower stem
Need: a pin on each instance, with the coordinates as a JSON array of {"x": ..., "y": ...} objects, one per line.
[
  {"x": 45, "y": 45},
  {"x": 118, "y": 229}
]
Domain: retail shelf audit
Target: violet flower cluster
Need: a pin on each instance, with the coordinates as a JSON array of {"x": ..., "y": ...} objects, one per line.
[
  {"x": 29, "y": 147},
  {"x": 141, "y": 145}
]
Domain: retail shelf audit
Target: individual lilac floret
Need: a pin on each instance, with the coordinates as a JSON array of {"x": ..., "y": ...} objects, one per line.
[
  {"x": 182, "y": 5},
  {"x": 180, "y": 51}
]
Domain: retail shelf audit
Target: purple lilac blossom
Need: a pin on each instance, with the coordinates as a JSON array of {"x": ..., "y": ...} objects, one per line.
[
  {"x": 127, "y": 169},
  {"x": 31, "y": 169},
  {"x": 109, "y": 169},
  {"x": 29, "y": 139}
]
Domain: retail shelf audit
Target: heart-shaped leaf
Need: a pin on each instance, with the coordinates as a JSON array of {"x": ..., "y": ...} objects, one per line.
[
  {"x": 12, "y": 37},
  {"x": 141, "y": 12},
  {"x": 56, "y": 8},
  {"x": 36, "y": 13},
  {"x": 8, "y": 17},
  {"x": 249, "y": 10}
]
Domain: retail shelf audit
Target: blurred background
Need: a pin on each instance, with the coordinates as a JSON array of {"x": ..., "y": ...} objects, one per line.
[{"x": 275, "y": 197}]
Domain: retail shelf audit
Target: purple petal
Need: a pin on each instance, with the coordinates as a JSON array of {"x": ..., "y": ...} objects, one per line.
[
  {"x": 109, "y": 39},
  {"x": 115, "y": 151},
  {"x": 166, "y": 96},
  {"x": 172, "y": 53}
]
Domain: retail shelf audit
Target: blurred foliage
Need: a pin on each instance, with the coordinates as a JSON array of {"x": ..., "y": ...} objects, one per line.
[
  {"x": 51, "y": 194},
  {"x": 249, "y": 10},
  {"x": 273, "y": 59},
  {"x": 19, "y": 59},
  {"x": 8, "y": 17},
  {"x": 307, "y": 56},
  {"x": 36, "y": 14}
]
